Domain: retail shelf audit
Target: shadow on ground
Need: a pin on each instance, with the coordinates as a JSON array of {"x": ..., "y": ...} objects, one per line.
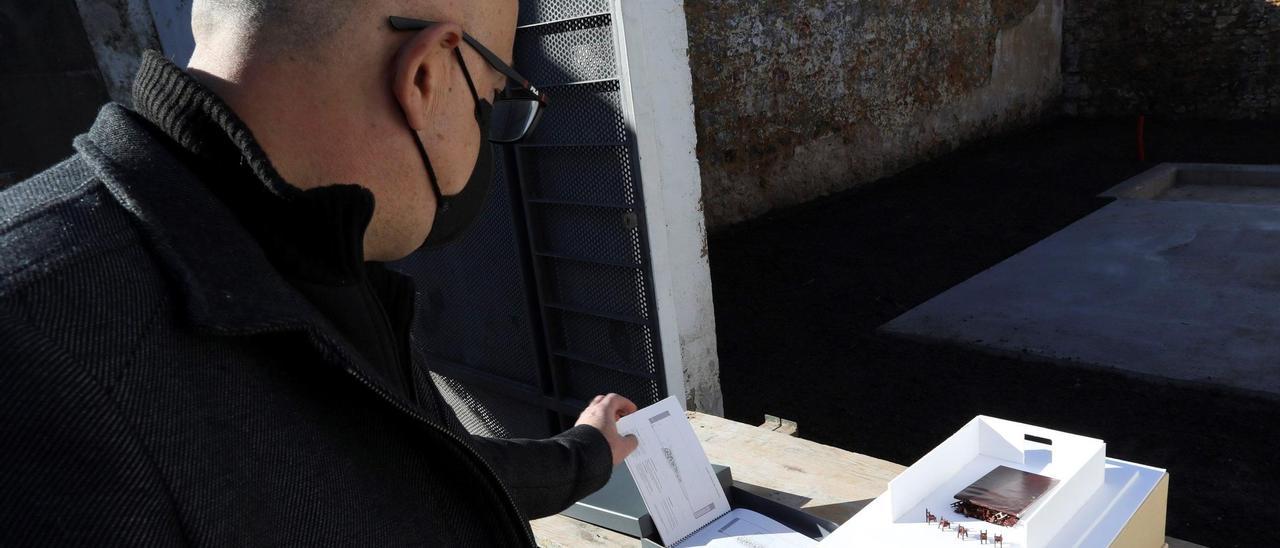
[{"x": 799, "y": 294}]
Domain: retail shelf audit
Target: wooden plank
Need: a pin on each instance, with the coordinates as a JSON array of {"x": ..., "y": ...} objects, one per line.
[
  {"x": 780, "y": 425},
  {"x": 563, "y": 532},
  {"x": 827, "y": 482}
]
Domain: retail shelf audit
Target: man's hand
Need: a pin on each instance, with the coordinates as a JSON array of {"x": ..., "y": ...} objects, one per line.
[{"x": 603, "y": 414}]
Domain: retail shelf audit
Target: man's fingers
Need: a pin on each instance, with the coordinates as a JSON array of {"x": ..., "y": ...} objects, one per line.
[
  {"x": 619, "y": 406},
  {"x": 597, "y": 399},
  {"x": 623, "y": 447}
]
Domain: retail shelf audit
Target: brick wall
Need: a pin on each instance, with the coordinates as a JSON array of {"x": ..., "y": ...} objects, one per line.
[
  {"x": 1215, "y": 59},
  {"x": 795, "y": 99}
]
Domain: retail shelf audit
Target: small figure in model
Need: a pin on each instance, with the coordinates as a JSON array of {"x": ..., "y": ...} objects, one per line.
[
  {"x": 929, "y": 517},
  {"x": 982, "y": 536},
  {"x": 999, "y": 541},
  {"x": 944, "y": 524},
  {"x": 962, "y": 533}
]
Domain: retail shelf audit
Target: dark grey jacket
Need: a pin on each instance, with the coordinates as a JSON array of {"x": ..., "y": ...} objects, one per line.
[{"x": 161, "y": 384}]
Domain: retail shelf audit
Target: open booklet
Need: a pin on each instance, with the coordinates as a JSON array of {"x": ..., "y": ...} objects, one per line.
[{"x": 680, "y": 490}]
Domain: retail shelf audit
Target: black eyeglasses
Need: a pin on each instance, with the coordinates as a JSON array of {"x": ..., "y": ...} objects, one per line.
[{"x": 518, "y": 107}]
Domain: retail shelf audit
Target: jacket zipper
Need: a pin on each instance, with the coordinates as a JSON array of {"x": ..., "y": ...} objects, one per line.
[{"x": 528, "y": 533}]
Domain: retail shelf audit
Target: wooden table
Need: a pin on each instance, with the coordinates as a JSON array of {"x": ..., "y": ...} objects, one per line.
[{"x": 825, "y": 481}]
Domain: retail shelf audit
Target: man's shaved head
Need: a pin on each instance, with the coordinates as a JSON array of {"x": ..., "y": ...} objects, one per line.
[
  {"x": 284, "y": 24},
  {"x": 309, "y": 29},
  {"x": 334, "y": 95}
]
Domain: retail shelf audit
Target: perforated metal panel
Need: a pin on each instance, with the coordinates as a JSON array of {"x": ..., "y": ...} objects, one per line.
[
  {"x": 548, "y": 301},
  {"x": 584, "y": 207},
  {"x": 544, "y": 11}
]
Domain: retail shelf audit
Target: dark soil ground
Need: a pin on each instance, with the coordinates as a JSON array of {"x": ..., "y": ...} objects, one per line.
[{"x": 800, "y": 293}]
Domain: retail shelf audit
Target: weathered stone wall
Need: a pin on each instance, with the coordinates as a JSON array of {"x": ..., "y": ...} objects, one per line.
[
  {"x": 799, "y": 98},
  {"x": 1217, "y": 59}
]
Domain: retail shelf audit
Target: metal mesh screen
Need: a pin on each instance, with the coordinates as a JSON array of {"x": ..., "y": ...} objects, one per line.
[
  {"x": 573, "y": 174},
  {"x": 583, "y": 114},
  {"x": 585, "y": 380},
  {"x": 588, "y": 233},
  {"x": 610, "y": 290},
  {"x": 584, "y": 207},
  {"x": 534, "y": 12},
  {"x": 548, "y": 300},
  {"x": 612, "y": 344},
  {"x": 485, "y": 413},
  {"x": 575, "y": 50}
]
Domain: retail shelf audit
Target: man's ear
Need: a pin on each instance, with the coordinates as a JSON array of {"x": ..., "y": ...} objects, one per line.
[{"x": 421, "y": 71}]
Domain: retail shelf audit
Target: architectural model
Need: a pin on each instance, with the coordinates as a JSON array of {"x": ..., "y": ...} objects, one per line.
[{"x": 1008, "y": 484}]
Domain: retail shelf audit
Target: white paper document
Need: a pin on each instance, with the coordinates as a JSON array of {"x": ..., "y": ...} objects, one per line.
[
  {"x": 680, "y": 489},
  {"x": 742, "y": 528}
]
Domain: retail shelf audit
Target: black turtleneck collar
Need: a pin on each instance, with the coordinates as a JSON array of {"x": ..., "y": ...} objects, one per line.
[
  {"x": 314, "y": 238},
  {"x": 314, "y": 234}
]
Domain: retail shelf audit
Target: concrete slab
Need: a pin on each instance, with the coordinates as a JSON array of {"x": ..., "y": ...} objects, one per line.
[
  {"x": 1182, "y": 290},
  {"x": 1171, "y": 542},
  {"x": 1225, "y": 183}
]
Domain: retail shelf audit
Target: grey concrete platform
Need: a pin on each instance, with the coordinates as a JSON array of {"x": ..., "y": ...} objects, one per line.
[
  {"x": 1222, "y": 183},
  {"x": 1165, "y": 286}
]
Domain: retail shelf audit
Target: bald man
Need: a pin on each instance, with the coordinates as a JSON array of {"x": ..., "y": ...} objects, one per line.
[{"x": 198, "y": 341}]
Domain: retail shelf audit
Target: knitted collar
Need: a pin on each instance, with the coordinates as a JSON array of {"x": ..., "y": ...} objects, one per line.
[{"x": 315, "y": 234}]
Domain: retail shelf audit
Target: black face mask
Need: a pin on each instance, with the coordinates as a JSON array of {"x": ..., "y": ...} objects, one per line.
[{"x": 456, "y": 213}]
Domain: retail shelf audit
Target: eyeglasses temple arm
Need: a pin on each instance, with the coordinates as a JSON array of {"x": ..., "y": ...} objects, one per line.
[
  {"x": 405, "y": 23},
  {"x": 496, "y": 62}
]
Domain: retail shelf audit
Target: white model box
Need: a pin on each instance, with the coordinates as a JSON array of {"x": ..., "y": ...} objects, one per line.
[{"x": 1093, "y": 500}]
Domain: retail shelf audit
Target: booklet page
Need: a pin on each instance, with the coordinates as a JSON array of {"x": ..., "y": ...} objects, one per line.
[
  {"x": 672, "y": 472},
  {"x": 742, "y": 528}
]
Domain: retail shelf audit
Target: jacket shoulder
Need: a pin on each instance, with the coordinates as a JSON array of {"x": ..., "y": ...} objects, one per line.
[
  {"x": 56, "y": 219},
  {"x": 75, "y": 268},
  {"x": 65, "y": 179}
]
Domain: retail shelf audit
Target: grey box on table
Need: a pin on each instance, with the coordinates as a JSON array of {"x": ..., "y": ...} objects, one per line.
[{"x": 618, "y": 507}]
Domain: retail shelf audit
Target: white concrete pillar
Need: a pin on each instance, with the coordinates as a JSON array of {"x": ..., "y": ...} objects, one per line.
[
  {"x": 658, "y": 87},
  {"x": 173, "y": 26},
  {"x": 118, "y": 31}
]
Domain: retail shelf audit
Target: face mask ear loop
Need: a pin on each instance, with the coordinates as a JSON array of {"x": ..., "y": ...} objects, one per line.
[
  {"x": 426, "y": 160},
  {"x": 431, "y": 172},
  {"x": 441, "y": 205},
  {"x": 471, "y": 85}
]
